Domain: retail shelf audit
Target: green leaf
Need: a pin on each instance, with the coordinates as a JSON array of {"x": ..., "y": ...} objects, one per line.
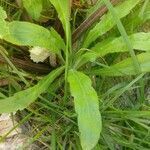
[
  {"x": 107, "y": 21},
  {"x": 123, "y": 33},
  {"x": 2, "y": 95},
  {"x": 63, "y": 10},
  {"x": 24, "y": 98},
  {"x": 125, "y": 67},
  {"x": 29, "y": 34},
  {"x": 145, "y": 11},
  {"x": 3, "y": 24},
  {"x": 139, "y": 41},
  {"x": 33, "y": 7},
  {"x": 87, "y": 108},
  {"x": 59, "y": 40}
]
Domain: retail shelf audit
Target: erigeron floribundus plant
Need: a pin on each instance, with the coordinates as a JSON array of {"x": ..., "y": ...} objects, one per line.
[
  {"x": 86, "y": 99},
  {"x": 39, "y": 54}
]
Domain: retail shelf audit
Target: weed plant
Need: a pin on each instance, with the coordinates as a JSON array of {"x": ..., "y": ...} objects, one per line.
[{"x": 97, "y": 94}]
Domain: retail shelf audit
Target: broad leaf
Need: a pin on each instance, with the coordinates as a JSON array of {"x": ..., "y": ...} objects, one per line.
[
  {"x": 2, "y": 95},
  {"x": 29, "y": 34},
  {"x": 59, "y": 40},
  {"x": 62, "y": 8},
  {"x": 145, "y": 11},
  {"x": 123, "y": 33},
  {"x": 107, "y": 22},
  {"x": 24, "y": 98},
  {"x": 3, "y": 24},
  {"x": 139, "y": 41},
  {"x": 33, "y": 7},
  {"x": 125, "y": 67},
  {"x": 87, "y": 108}
]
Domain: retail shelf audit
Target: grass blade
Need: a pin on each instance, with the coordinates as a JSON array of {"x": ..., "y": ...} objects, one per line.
[{"x": 124, "y": 34}]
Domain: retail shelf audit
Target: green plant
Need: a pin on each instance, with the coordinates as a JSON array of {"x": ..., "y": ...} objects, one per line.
[{"x": 78, "y": 61}]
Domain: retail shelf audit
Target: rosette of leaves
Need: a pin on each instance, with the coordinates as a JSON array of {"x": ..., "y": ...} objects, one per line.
[{"x": 86, "y": 100}]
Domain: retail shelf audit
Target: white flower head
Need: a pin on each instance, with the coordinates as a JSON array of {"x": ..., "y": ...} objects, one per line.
[{"x": 38, "y": 54}]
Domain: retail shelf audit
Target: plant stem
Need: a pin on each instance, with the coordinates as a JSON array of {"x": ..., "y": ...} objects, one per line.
[{"x": 89, "y": 21}]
